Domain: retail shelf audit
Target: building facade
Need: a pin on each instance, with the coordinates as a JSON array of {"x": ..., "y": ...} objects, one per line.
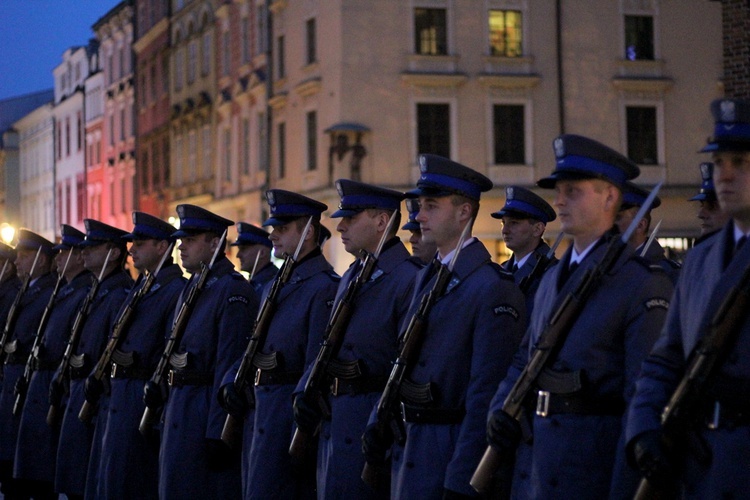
[
  {"x": 37, "y": 170},
  {"x": 151, "y": 50},
  {"x": 94, "y": 113},
  {"x": 114, "y": 31}
]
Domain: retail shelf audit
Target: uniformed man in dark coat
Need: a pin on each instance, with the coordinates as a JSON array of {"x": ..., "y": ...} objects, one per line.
[
  {"x": 525, "y": 216},
  {"x": 132, "y": 363},
  {"x": 471, "y": 335},
  {"x": 254, "y": 252},
  {"x": 9, "y": 281},
  {"x": 291, "y": 344},
  {"x": 193, "y": 459},
  {"x": 78, "y": 440},
  {"x": 422, "y": 251},
  {"x": 37, "y": 442},
  {"x": 34, "y": 257},
  {"x": 632, "y": 200},
  {"x": 361, "y": 367},
  {"x": 714, "y": 461},
  {"x": 577, "y": 422},
  {"x": 711, "y": 215}
]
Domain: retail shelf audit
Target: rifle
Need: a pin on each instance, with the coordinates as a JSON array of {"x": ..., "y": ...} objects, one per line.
[
  {"x": 75, "y": 334},
  {"x": 121, "y": 324},
  {"x": 255, "y": 265},
  {"x": 22, "y": 386},
  {"x": 706, "y": 359},
  {"x": 541, "y": 265},
  {"x": 332, "y": 340},
  {"x": 552, "y": 340},
  {"x": 232, "y": 430},
  {"x": 13, "y": 312},
  {"x": 411, "y": 343},
  {"x": 151, "y": 415},
  {"x": 650, "y": 239}
]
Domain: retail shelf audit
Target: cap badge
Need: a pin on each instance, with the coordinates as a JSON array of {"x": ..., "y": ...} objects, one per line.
[
  {"x": 727, "y": 111},
  {"x": 271, "y": 198},
  {"x": 559, "y": 146},
  {"x": 339, "y": 189},
  {"x": 509, "y": 193},
  {"x": 705, "y": 171},
  {"x": 422, "y": 164}
]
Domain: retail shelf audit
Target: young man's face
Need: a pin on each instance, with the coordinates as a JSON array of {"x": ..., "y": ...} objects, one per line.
[
  {"x": 247, "y": 255},
  {"x": 95, "y": 257},
  {"x": 25, "y": 261},
  {"x": 147, "y": 254},
  {"x": 360, "y": 232},
  {"x": 285, "y": 238},
  {"x": 197, "y": 248},
  {"x": 439, "y": 219},
  {"x": 711, "y": 216},
  {"x": 732, "y": 183},
  {"x": 581, "y": 205},
  {"x": 520, "y": 234}
]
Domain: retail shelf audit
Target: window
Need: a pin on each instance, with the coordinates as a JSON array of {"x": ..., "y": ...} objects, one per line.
[
  {"x": 245, "y": 34},
  {"x": 111, "y": 130},
  {"x": 165, "y": 73},
  {"x": 312, "y": 140},
  {"x": 178, "y": 160},
  {"x": 67, "y": 137},
  {"x": 122, "y": 125},
  {"x": 156, "y": 166},
  {"x": 178, "y": 67},
  {"x": 207, "y": 151},
  {"x": 59, "y": 139},
  {"x": 506, "y": 33},
  {"x": 206, "y": 54},
  {"x": 260, "y": 42},
  {"x": 80, "y": 197},
  {"x": 639, "y": 38},
  {"x": 508, "y": 134},
  {"x": 142, "y": 101},
  {"x": 165, "y": 161},
  {"x": 123, "y": 197},
  {"x": 311, "y": 48},
  {"x": 245, "y": 146},
  {"x": 152, "y": 83},
  {"x": 227, "y": 154},
  {"x": 122, "y": 62},
  {"x": 68, "y": 202},
  {"x": 191, "y": 159},
  {"x": 282, "y": 150},
  {"x": 430, "y": 36},
  {"x": 262, "y": 141},
  {"x": 225, "y": 53},
  {"x": 280, "y": 63},
  {"x": 192, "y": 60},
  {"x": 79, "y": 132},
  {"x": 433, "y": 129},
  {"x": 144, "y": 170},
  {"x": 642, "y": 141}
]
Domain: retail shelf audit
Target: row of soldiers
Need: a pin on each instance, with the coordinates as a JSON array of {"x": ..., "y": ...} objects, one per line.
[{"x": 391, "y": 380}]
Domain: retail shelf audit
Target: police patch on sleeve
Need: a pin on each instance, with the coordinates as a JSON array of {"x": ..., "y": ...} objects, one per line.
[
  {"x": 657, "y": 303},
  {"x": 506, "y": 309},
  {"x": 329, "y": 304},
  {"x": 238, "y": 298}
]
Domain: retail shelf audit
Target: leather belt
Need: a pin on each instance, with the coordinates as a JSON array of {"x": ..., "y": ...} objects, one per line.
[
  {"x": 131, "y": 372},
  {"x": 435, "y": 416},
  {"x": 179, "y": 378},
  {"x": 276, "y": 377},
  {"x": 39, "y": 365},
  {"x": 359, "y": 385},
  {"x": 548, "y": 403}
]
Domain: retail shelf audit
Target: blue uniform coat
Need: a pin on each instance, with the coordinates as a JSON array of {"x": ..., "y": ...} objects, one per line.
[
  {"x": 37, "y": 441},
  {"x": 122, "y": 444},
  {"x": 472, "y": 333},
  {"x": 76, "y": 438},
  {"x": 29, "y": 314},
  {"x": 582, "y": 456},
  {"x": 263, "y": 276},
  {"x": 539, "y": 252},
  {"x": 214, "y": 337},
  {"x": 702, "y": 286},
  {"x": 372, "y": 338},
  {"x": 295, "y": 333},
  {"x": 655, "y": 255}
]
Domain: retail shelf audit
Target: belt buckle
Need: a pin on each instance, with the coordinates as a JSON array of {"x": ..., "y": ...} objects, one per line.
[
  {"x": 257, "y": 377},
  {"x": 113, "y": 372},
  {"x": 715, "y": 421},
  {"x": 542, "y": 404},
  {"x": 170, "y": 378},
  {"x": 335, "y": 386},
  {"x": 403, "y": 412}
]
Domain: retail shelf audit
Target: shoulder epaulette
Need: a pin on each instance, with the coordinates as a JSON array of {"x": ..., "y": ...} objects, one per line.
[{"x": 506, "y": 275}]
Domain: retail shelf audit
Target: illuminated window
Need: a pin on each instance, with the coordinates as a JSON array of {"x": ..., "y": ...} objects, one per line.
[
  {"x": 639, "y": 38},
  {"x": 430, "y": 33},
  {"x": 506, "y": 38}
]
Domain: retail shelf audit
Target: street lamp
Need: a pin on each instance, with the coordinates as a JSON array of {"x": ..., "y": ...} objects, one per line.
[{"x": 7, "y": 233}]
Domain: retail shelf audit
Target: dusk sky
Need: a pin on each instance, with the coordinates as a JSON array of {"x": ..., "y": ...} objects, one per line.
[{"x": 35, "y": 33}]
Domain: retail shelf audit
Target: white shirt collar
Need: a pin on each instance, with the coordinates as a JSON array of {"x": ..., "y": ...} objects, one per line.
[
  {"x": 446, "y": 260},
  {"x": 520, "y": 263},
  {"x": 578, "y": 257}
]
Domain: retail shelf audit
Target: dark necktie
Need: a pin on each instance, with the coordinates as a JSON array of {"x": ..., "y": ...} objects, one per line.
[
  {"x": 739, "y": 244},
  {"x": 515, "y": 268},
  {"x": 572, "y": 268}
]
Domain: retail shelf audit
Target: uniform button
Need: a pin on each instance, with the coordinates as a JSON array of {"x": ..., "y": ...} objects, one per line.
[
  {"x": 261, "y": 431},
  {"x": 327, "y": 436},
  {"x": 348, "y": 440},
  {"x": 553, "y": 482},
  {"x": 174, "y": 425},
  {"x": 409, "y": 465}
]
